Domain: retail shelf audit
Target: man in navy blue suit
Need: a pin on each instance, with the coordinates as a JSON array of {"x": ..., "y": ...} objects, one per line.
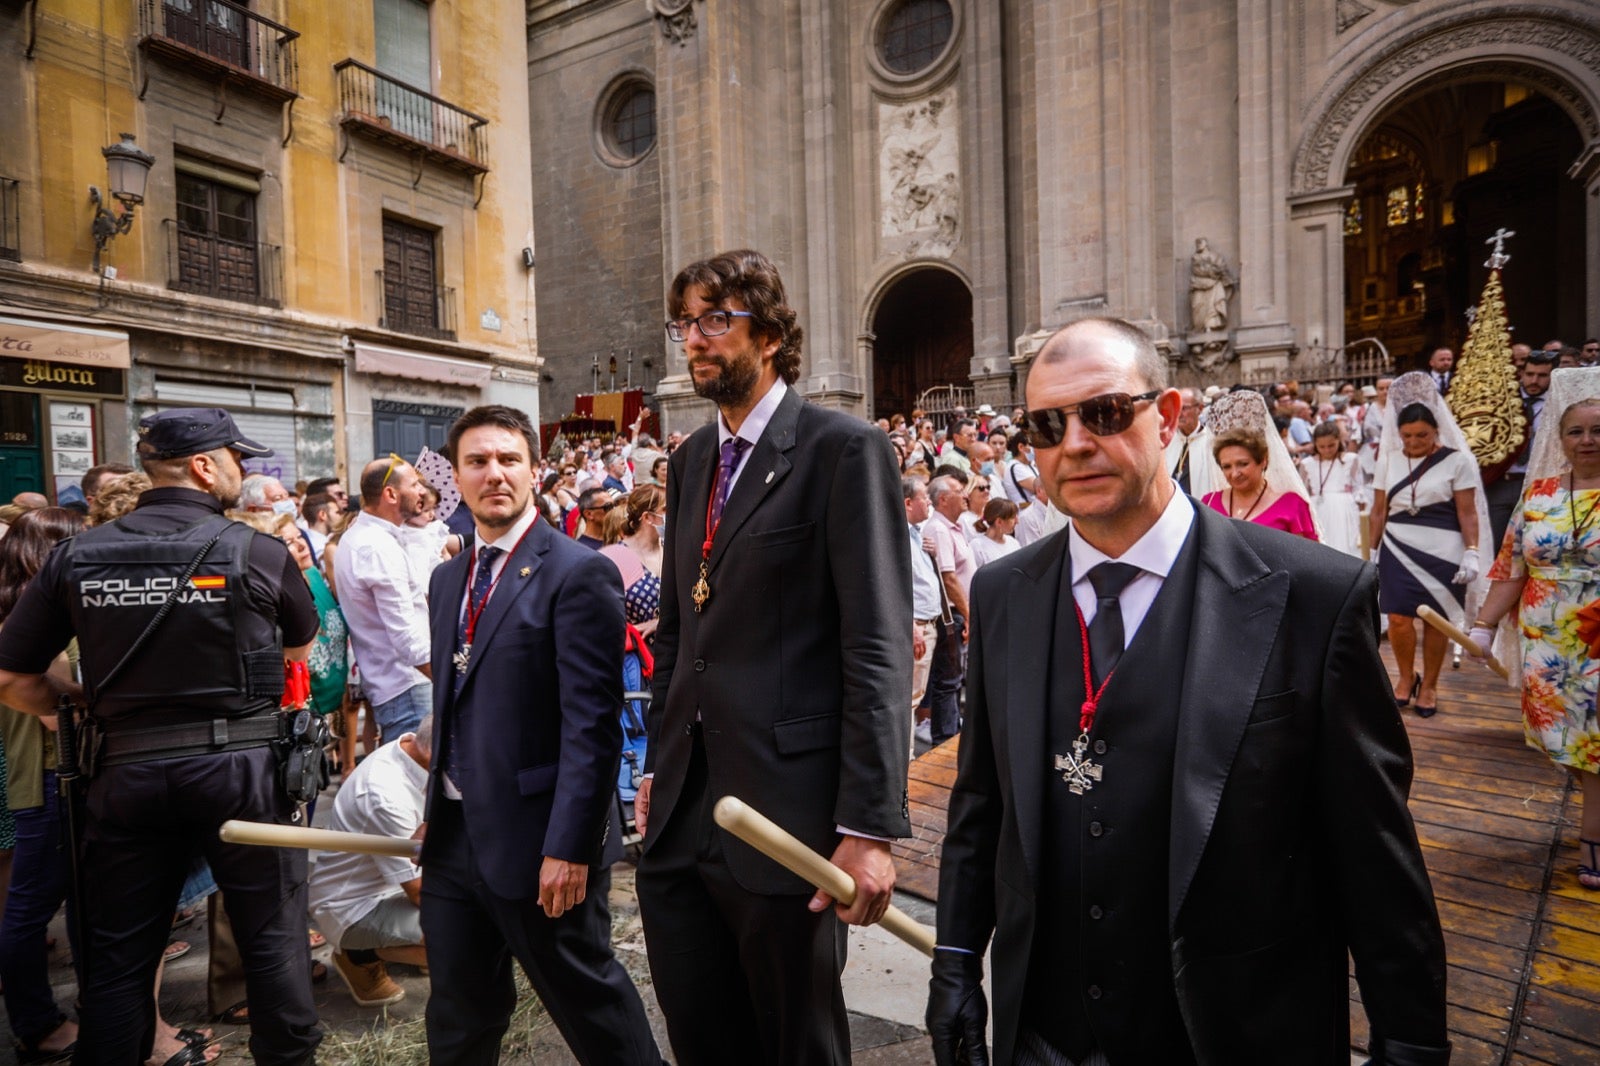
[{"x": 522, "y": 827}]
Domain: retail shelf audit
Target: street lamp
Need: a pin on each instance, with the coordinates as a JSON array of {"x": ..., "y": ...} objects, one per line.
[{"x": 127, "y": 170}]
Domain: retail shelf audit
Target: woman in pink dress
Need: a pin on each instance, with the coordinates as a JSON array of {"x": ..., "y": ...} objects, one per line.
[{"x": 1242, "y": 455}]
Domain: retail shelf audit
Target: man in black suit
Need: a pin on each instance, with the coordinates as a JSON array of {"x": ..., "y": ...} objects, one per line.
[
  {"x": 782, "y": 677},
  {"x": 522, "y": 826},
  {"x": 1181, "y": 795},
  {"x": 1442, "y": 368}
]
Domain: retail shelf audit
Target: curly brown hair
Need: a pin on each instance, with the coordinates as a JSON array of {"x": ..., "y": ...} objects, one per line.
[
  {"x": 749, "y": 277},
  {"x": 1248, "y": 439}
]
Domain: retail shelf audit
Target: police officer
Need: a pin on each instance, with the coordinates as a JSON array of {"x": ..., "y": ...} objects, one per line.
[{"x": 184, "y": 620}]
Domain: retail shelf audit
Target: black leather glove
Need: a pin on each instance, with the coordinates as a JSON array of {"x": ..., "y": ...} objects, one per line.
[{"x": 957, "y": 1012}]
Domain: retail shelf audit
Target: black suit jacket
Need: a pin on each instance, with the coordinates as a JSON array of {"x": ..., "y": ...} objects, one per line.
[
  {"x": 1290, "y": 838},
  {"x": 540, "y": 709},
  {"x": 799, "y": 667}
]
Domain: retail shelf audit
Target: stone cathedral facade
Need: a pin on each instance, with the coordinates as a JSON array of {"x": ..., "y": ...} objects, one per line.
[{"x": 1263, "y": 185}]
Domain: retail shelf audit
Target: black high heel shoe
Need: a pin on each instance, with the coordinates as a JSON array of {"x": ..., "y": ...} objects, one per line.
[{"x": 1416, "y": 683}]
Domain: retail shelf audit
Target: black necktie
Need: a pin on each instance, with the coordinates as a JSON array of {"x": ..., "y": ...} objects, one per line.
[{"x": 1105, "y": 632}]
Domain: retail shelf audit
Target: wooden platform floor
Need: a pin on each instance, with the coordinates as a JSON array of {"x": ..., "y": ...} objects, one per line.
[{"x": 1498, "y": 825}]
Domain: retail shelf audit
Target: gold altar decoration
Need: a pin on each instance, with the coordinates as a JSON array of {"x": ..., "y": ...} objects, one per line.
[{"x": 1483, "y": 394}]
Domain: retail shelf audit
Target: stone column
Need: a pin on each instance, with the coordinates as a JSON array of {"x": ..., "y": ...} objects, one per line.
[
  {"x": 1587, "y": 170},
  {"x": 1263, "y": 334},
  {"x": 1316, "y": 265}
]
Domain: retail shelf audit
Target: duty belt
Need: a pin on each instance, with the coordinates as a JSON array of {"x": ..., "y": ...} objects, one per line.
[{"x": 189, "y": 738}]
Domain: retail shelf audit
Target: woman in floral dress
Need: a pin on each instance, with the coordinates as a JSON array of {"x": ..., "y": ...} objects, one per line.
[{"x": 1548, "y": 570}]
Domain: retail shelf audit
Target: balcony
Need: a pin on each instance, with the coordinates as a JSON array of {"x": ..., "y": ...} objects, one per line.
[
  {"x": 393, "y": 113},
  {"x": 228, "y": 270},
  {"x": 10, "y": 220},
  {"x": 222, "y": 40},
  {"x": 415, "y": 309}
]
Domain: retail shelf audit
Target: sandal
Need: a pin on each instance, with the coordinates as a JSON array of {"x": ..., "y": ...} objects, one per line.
[
  {"x": 193, "y": 1037},
  {"x": 175, "y": 950},
  {"x": 1589, "y": 872},
  {"x": 188, "y": 1055},
  {"x": 238, "y": 1014}
]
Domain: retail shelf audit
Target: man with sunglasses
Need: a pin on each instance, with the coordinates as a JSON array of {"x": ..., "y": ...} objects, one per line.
[
  {"x": 783, "y": 677},
  {"x": 1181, "y": 801},
  {"x": 384, "y": 598}
]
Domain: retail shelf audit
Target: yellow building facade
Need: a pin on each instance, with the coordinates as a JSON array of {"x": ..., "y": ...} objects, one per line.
[{"x": 334, "y": 239}]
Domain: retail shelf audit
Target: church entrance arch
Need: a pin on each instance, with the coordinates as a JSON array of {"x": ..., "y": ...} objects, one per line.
[
  {"x": 1438, "y": 116},
  {"x": 922, "y": 337}
]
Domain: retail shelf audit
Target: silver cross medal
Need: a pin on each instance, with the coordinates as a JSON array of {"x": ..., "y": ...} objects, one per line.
[
  {"x": 1078, "y": 770},
  {"x": 461, "y": 658}
]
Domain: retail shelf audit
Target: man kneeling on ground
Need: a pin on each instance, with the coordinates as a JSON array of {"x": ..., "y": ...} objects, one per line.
[{"x": 368, "y": 906}]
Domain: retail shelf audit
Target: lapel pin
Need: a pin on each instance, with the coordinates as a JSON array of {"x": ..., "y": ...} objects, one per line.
[
  {"x": 770, "y": 475},
  {"x": 525, "y": 571}
]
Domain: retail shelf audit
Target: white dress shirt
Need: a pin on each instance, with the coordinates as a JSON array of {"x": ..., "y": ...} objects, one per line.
[
  {"x": 755, "y": 424},
  {"x": 1154, "y": 554},
  {"x": 385, "y": 607}
]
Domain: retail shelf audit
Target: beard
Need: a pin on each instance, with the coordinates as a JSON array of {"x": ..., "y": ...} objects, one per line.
[{"x": 733, "y": 385}]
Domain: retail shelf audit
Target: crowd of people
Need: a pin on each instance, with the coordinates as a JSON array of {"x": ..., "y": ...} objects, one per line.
[{"x": 729, "y": 563}]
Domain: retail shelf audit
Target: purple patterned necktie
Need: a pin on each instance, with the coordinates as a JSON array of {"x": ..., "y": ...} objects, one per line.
[{"x": 732, "y": 449}]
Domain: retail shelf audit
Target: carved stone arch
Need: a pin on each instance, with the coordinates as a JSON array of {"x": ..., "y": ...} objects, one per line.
[
  {"x": 887, "y": 281},
  {"x": 1549, "y": 48}
]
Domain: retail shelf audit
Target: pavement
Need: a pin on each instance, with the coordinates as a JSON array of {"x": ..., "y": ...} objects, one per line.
[{"x": 885, "y": 987}]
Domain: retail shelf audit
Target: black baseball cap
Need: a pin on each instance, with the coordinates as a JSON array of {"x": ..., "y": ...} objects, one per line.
[{"x": 180, "y": 431}]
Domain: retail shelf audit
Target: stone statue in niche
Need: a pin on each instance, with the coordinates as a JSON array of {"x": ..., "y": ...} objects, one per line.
[
  {"x": 676, "y": 18},
  {"x": 919, "y": 177},
  {"x": 1211, "y": 283}
]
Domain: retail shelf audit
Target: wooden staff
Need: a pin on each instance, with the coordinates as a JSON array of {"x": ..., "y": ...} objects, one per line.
[
  {"x": 777, "y": 844},
  {"x": 1443, "y": 625},
  {"x": 269, "y": 835}
]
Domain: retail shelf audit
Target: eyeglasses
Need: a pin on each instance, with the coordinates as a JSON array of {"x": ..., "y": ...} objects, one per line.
[
  {"x": 393, "y": 460},
  {"x": 1104, "y": 416},
  {"x": 710, "y": 324}
]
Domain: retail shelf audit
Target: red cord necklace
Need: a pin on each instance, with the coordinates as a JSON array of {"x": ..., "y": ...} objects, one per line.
[
  {"x": 1077, "y": 769},
  {"x": 464, "y": 656}
]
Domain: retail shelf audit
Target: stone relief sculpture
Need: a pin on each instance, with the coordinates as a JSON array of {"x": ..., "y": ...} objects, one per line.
[
  {"x": 676, "y": 18},
  {"x": 919, "y": 176},
  {"x": 1211, "y": 283}
]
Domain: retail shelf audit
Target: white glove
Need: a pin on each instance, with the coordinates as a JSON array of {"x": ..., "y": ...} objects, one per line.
[
  {"x": 1483, "y": 637},
  {"x": 1469, "y": 568}
]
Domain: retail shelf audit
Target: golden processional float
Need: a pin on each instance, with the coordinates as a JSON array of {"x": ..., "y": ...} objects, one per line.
[{"x": 1483, "y": 394}]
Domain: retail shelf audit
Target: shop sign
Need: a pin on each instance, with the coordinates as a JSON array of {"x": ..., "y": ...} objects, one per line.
[{"x": 42, "y": 376}]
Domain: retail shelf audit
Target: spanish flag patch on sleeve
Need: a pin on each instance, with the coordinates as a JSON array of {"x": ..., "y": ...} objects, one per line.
[{"x": 216, "y": 582}]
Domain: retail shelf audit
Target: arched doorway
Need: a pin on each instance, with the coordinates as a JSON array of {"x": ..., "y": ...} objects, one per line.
[
  {"x": 923, "y": 337},
  {"x": 1436, "y": 174}
]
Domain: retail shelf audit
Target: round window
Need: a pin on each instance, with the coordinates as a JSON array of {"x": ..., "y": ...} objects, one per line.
[
  {"x": 915, "y": 35},
  {"x": 630, "y": 122}
]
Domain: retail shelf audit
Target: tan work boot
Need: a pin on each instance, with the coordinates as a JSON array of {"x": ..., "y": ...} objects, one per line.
[{"x": 369, "y": 983}]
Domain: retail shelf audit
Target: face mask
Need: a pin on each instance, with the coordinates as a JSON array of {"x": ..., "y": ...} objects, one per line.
[
  {"x": 987, "y": 468},
  {"x": 283, "y": 507}
]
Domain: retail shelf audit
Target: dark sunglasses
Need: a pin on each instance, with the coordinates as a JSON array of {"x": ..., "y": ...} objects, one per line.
[{"x": 1104, "y": 416}]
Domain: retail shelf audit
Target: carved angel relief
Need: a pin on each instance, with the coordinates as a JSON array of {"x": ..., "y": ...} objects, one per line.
[{"x": 919, "y": 166}]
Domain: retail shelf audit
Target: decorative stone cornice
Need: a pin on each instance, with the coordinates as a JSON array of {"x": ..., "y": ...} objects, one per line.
[{"x": 1467, "y": 34}]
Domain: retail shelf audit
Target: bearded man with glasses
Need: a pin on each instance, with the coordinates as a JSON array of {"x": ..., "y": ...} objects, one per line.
[
  {"x": 783, "y": 677},
  {"x": 1173, "y": 818}
]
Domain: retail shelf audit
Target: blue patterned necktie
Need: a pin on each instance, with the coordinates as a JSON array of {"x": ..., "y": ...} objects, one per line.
[
  {"x": 732, "y": 449},
  {"x": 480, "y": 588}
]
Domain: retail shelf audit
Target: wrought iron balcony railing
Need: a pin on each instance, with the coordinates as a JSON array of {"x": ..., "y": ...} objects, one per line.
[
  {"x": 377, "y": 106},
  {"x": 223, "y": 39},
  {"x": 10, "y": 219},
  {"x": 425, "y": 312},
  {"x": 229, "y": 270}
]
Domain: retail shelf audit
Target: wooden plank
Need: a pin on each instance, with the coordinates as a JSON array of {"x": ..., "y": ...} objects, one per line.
[
  {"x": 1571, "y": 1017},
  {"x": 1540, "y": 1046}
]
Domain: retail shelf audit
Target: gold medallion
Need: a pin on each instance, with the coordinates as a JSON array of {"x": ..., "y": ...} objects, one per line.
[{"x": 701, "y": 591}]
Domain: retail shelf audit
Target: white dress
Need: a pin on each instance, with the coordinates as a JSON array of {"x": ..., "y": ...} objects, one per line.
[{"x": 1335, "y": 487}]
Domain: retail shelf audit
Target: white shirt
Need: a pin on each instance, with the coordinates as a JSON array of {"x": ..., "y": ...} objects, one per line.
[
  {"x": 383, "y": 796},
  {"x": 1038, "y": 520},
  {"x": 1154, "y": 554},
  {"x": 985, "y": 550},
  {"x": 755, "y": 424},
  {"x": 385, "y": 606}
]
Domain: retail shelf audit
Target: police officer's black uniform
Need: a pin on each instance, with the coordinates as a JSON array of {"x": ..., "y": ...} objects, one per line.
[{"x": 188, "y": 723}]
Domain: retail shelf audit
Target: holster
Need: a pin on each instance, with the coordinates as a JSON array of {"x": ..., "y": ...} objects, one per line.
[
  {"x": 91, "y": 741},
  {"x": 302, "y": 758}
]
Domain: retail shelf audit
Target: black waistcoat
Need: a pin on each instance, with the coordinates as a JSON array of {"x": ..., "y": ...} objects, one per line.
[{"x": 1100, "y": 971}]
